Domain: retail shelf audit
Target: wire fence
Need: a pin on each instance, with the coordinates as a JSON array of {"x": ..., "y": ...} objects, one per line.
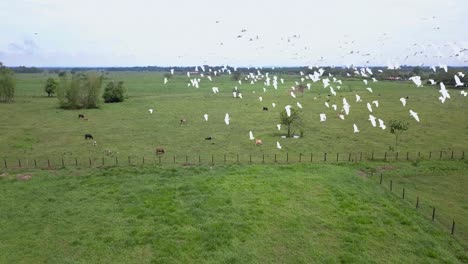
[
  {"x": 221, "y": 159},
  {"x": 425, "y": 206}
]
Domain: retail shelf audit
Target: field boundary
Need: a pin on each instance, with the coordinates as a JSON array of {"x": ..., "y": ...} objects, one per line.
[{"x": 227, "y": 159}]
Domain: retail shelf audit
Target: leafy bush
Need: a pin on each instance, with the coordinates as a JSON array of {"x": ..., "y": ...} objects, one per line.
[
  {"x": 51, "y": 86},
  {"x": 81, "y": 90},
  {"x": 7, "y": 84},
  {"x": 114, "y": 92}
]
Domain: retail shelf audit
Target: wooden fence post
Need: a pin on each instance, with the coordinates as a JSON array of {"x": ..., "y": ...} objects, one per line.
[
  {"x": 76, "y": 162},
  {"x": 129, "y": 160},
  {"x": 385, "y": 156},
  {"x": 19, "y": 163},
  {"x": 116, "y": 161},
  {"x": 397, "y": 155},
  {"x": 337, "y": 156},
  {"x": 349, "y": 157},
  {"x": 433, "y": 214},
  {"x": 287, "y": 157},
  {"x": 174, "y": 159},
  {"x": 5, "y": 162},
  {"x": 90, "y": 163},
  {"x": 263, "y": 158},
  {"x": 224, "y": 158},
  {"x": 407, "y": 155},
  {"x": 360, "y": 156},
  {"x": 300, "y": 157},
  {"x": 381, "y": 178},
  {"x": 142, "y": 161},
  {"x": 440, "y": 157},
  {"x": 391, "y": 185},
  {"x": 451, "y": 157},
  {"x": 199, "y": 160},
  {"x": 311, "y": 157},
  {"x": 237, "y": 157},
  {"x": 417, "y": 202},
  {"x": 212, "y": 159},
  {"x": 48, "y": 163},
  {"x": 372, "y": 155},
  {"x": 325, "y": 156},
  {"x": 463, "y": 155},
  {"x": 403, "y": 196},
  {"x": 35, "y": 163},
  {"x": 63, "y": 163},
  {"x": 186, "y": 159},
  {"x": 453, "y": 227},
  {"x": 430, "y": 154}
]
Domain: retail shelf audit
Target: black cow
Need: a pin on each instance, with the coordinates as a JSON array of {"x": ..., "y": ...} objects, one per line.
[
  {"x": 80, "y": 116},
  {"x": 88, "y": 136},
  {"x": 208, "y": 138},
  {"x": 265, "y": 108}
]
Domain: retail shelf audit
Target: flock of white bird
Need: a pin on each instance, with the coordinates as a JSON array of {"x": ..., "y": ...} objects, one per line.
[{"x": 327, "y": 83}]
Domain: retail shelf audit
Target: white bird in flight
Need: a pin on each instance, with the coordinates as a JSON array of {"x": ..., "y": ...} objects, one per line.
[
  {"x": 278, "y": 146},
  {"x": 299, "y": 105},
  {"x": 323, "y": 117},
  {"x": 372, "y": 119},
  {"x": 432, "y": 82},
  {"x": 416, "y": 80},
  {"x": 206, "y": 117},
  {"x": 356, "y": 130},
  {"x": 369, "y": 107},
  {"x": 457, "y": 81},
  {"x": 288, "y": 110},
  {"x": 369, "y": 89},
  {"x": 414, "y": 114},
  {"x": 376, "y": 103},
  {"x": 358, "y": 98},
  {"x": 226, "y": 119},
  {"x": 403, "y": 101},
  {"x": 251, "y": 137},
  {"x": 293, "y": 94}
]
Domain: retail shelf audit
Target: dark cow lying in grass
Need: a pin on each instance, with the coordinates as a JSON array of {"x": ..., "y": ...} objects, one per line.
[
  {"x": 88, "y": 136},
  {"x": 265, "y": 108},
  {"x": 80, "y": 116}
]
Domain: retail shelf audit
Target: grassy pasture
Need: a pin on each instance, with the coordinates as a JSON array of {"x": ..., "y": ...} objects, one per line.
[
  {"x": 302, "y": 213},
  {"x": 33, "y": 126}
]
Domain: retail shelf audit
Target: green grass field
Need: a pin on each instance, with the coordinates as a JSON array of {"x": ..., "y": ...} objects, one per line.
[
  {"x": 302, "y": 213},
  {"x": 33, "y": 126}
]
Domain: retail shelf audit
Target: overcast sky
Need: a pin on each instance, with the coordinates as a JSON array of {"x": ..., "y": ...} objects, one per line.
[{"x": 187, "y": 32}]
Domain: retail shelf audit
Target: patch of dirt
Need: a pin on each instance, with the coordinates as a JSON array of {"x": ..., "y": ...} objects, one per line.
[
  {"x": 386, "y": 168},
  {"x": 24, "y": 177},
  {"x": 4, "y": 174},
  {"x": 363, "y": 174}
]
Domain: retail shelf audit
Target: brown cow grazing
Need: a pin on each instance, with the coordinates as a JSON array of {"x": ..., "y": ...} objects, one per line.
[
  {"x": 183, "y": 121},
  {"x": 88, "y": 136},
  {"x": 160, "y": 151},
  {"x": 265, "y": 108},
  {"x": 258, "y": 142}
]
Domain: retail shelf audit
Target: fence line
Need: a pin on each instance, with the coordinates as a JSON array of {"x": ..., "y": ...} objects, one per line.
[
  {"x": 442, "y": 220},
  {"x": 212, "y": 159}
]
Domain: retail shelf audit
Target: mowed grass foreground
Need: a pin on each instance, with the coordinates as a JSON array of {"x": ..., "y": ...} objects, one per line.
[
  {"x": 298, "y": 213},
  {"x": 34, "y": 127}
]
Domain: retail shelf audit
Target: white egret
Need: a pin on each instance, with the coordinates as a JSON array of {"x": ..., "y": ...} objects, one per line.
[
  {"x": 327, "y": 105},
  {"x": 293, "y": 94},
  {"x": 273, "y": 104},
  {"x": 414, "y": 114},
  {"x": 206, "y": 117},
  {"x": 372, "y": 119},
  {"x": 432, "y": 82},
  {"x": 369, "y": 89},
  {"x": 416, "y": 80},
  {"x": 365, "y": 82},
  {"x": 341, "y": 117},
  {"x": 172, "y": 71},
  {"x": 323, "y": 117},
  {"x": 251, "y": 137},
  {"x": 376, "y": 103},
  {"x": 334, "y": 106},
  {"x": 358, "y": 98},
  {"x": 299, "y": 105},
  {"x": 369, "y": 107},
  {"x": 278, "y": 126},
  {"x": 288, "y": 110},
  {"x": 403, "y": 101},
  {"x": 150, "y": 110},
  {"x": 165, "y": 80},
  {"x": 278, "y": 146},
  {"x": 227, "y": 119},
  {"x": 457, "y": 81},
  {"x": 260, "y": 98},
  {"x": 356, "y": 130},
  {"x": 382, "y": 124}
]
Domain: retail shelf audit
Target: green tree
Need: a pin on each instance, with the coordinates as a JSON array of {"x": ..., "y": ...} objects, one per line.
[
  {"x": 51, "y": 86},
  {"x": 397, "y": 127},
  {"x": 7, "y": 84},
  {"x": 114, "y": 92},
  {"x": 294, "y": 120},
  {"x": 81, "y": 90}
]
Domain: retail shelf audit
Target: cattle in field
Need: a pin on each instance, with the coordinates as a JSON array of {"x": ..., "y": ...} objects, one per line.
[
  {"x": 183, "y": 121},
  {"x": 160, "y": 151},
  {"x": 80, "y": 116},
  {"x": 265, "y": 108},
  {"x": 88, "y": 136},
  {"x": 208, "y": 138},
  {"x": 258, "y": 142}
]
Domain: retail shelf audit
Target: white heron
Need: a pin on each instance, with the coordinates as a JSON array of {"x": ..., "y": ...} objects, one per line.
[
  {"x": 372, "y": 119},
  {"x": 358, "y": 98},
  {"x": 293, "y": 94},
  {"x": 457, "y": 81},
  {"x": 251, "y": 137},
  {"x": 165, "y": 80},
  {"x": 432, "y": 82},
  {"x": 382, "y": 124},
  {"x": 278, "y": 126},
  {"x": 273, "y": 104},
  {"x": 227, "y": 119},
  {"x": 376, "y": 103},
  {"x": 369, "y": 107},
  {"x": 327, "y": 105},
  {"x": 206, "y": 117},
  {"x": 323, "y": 117},
  {"x": 369, "y": 89},
  {"x": 365, "y": 82},
  {"x": 150, "y": 110},
  {"x": 356, "y": 130},
  {"x": 416, "y": 80},
  {"x": 288, "y": 110},
  {"x": 278, "y": 145},
  {"x": 334, "y": 106},
  {"x": 403, "y": 101},
  {"x": 260, "y": 98},
  {"x": 299, "y": 105},
  {"x": 414, "y": 114}
]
